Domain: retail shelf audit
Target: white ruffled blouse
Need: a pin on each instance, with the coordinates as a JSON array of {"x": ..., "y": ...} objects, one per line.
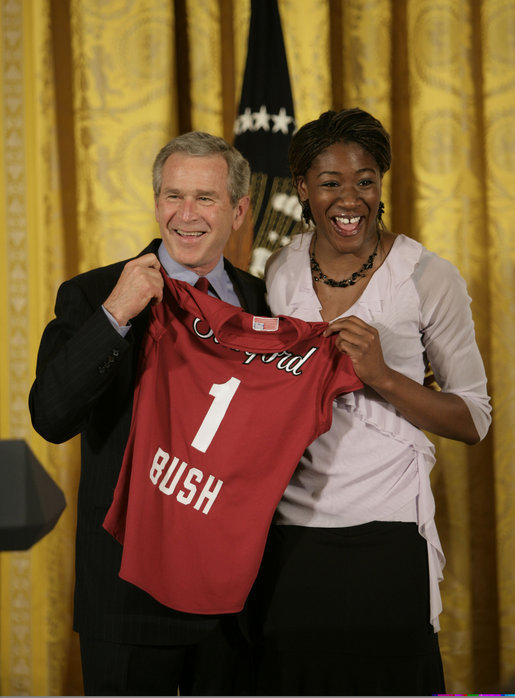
[{"x": 374, "y": 465}]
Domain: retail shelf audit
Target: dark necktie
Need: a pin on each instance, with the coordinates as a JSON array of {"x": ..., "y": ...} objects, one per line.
[{"x": 202, "y": 284}]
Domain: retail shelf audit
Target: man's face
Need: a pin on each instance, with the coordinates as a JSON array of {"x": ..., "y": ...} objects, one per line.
[{"x": 194, "y": 211}]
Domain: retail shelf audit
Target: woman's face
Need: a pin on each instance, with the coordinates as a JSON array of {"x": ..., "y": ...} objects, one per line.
[{"x": 343, "y": 186}]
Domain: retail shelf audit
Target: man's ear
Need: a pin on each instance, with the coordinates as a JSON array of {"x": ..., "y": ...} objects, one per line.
[{"x": 240, "y": 211}]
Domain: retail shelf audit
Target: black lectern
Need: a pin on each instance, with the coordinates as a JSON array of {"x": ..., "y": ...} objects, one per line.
[{"x": 30, "y": 501}]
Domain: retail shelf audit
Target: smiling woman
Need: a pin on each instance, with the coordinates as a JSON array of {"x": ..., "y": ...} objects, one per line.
[
  {"x": 347, "y": 601},
  {"x": 338, "y": 165},
  {"x": 343, "y": 187}
]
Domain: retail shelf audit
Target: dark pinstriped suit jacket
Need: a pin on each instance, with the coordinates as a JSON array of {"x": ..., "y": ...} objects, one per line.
[{"x": 84, "y": 384}]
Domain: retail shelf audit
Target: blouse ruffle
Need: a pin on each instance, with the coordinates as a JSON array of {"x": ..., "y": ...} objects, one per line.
[{"x": 387, "y": 421}]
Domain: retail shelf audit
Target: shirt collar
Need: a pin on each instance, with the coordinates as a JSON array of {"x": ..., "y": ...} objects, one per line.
[{"x": 217, "y": 277}]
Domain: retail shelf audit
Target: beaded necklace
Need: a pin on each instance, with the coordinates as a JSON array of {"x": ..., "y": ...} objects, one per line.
[{"x": 318, "y": 274}]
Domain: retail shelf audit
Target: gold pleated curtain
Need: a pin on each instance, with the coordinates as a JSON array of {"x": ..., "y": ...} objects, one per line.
[{"x": 90, "y": 90}]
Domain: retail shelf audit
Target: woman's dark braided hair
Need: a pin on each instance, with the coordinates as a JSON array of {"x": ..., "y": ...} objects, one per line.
[{"x": 345, "y": 126}]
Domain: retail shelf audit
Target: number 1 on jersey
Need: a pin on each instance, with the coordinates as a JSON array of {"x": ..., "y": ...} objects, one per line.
[{"x": 223, "y": 394}]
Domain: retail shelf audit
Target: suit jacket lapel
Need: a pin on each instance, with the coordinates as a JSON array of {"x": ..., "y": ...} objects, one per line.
[{"x": 241, "y": 290}]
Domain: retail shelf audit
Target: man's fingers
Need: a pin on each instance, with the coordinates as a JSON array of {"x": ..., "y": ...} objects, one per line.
[
  {"x": 147, "y": 260},
  {"x": 140, "y": 283}
]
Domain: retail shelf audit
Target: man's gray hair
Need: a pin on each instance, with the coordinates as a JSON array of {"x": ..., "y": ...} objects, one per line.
[{"x": 201, "y": 144}]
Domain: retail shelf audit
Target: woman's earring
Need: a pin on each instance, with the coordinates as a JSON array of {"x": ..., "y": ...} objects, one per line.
[
  {"x": 306, "y": 211},
  {"x": 380, "y": 211}
]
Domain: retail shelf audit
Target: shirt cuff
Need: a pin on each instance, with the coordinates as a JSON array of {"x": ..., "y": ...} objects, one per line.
[{"x": 121, "y": 329}]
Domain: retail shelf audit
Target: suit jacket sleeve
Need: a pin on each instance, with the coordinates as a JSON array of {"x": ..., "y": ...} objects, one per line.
[
  {"x": 79, "y": 355},
  {"x": 83, "y": 362}
]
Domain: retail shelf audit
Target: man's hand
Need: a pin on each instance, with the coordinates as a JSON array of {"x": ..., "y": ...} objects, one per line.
[{"x": 140, "y": 283}]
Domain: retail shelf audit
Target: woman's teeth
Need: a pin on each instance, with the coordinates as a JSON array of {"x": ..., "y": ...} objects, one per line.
[{"x": 346, "y": 221}]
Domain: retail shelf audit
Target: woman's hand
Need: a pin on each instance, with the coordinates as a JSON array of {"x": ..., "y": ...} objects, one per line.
[
  {"x": 361, "y": 343},
  {"x": 440, "y": 413}
]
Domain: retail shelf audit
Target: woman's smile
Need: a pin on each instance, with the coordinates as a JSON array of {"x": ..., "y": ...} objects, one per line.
[{"x": 343, "y": 187}]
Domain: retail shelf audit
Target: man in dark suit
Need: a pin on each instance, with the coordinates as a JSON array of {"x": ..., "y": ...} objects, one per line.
[{"x": 85, "y": 378}]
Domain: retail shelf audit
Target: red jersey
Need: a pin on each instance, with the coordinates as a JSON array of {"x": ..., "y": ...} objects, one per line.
[{"x": 224, "y": 406}]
